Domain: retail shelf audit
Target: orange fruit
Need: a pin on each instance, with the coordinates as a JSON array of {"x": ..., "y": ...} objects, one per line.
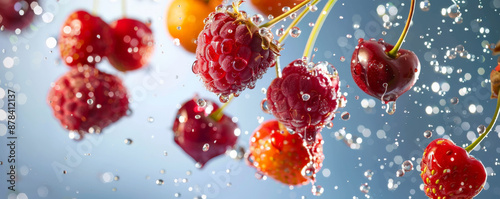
[
  {"x": 185, "y": 20},
  {"x": 273, "y": 7}
]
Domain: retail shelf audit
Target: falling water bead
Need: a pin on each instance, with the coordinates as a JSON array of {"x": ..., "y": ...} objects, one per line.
[
  {"x": 345, "y": 116},
  {"x": 285, "y": 9},
  {"x": 177, "y": 195},
  {"x": 293, "y": 15},
  {"x": 280, "y": 32},
  {"x": 342, "y": 58},
  {"x": 159, "y": 182},
  {"x": 364, "y": 188},
  {"x": 460, "y": 48},
  {"x": 400, "y": 173},
  {"x": 459, "y": 20},
  {"x": 177, "y": 42},
  {"x": 427, "y": 134},
  {"x": 198, "y": 165},
  {"x": 259, "y": 175},
  {"x": 407, "y": 166},
  {"x": 313, "y": 8},
  {"x": 295, "y": 32},
  {"x": 223, "y": 98},
  {"x": 306, "y": 97},
  {"x": 201, "y": 102},
  {"x": 425, "y": 5},
  {"x": 264, "y": 106},
  {"x": 311, "y": 24},
  {"x": 257, "y": 19},
  {"x": 151, "y": 119},
  {"x": 454, "y": 100},
  {"x": 128, "y": 141},
  {"x": 480, "y": 129},
  {"x": 391, "y": 107},
  {"x": 264, "y": 31},
  {"x": 453, "y": 11},
  {"x": 368, "y": 174},
  {"x": 206, "y": 146},
  {"x": 90, "y": 101},
  {"x": 317, "y": 190}
]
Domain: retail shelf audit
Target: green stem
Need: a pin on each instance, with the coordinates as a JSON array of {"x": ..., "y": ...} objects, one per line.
[
  {"x": 284, "y": 15},
  {"x": 217, "y": 114},
  {"x": 295, "y": 22},
  {"x": 394, "y": 52},
  {"x": 278, "y": 69},
  {"x": 488, "y": 129},
  {"x": 317, "y": 27}
]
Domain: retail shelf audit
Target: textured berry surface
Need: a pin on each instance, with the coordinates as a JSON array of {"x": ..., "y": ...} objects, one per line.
[
  {"x": 194, "y": 128},
  {"x": 449, "y": 172},
  {"x": 84, "y": 39},
  {"x": 87, "y": 100},
  {"x": 304, "y": 100},
  {"x": 283, "y": 156},
  {"x": 231, "y": 55},
  {"x": 495, "y": 81},
  {"x": 10, "y": 17},
  {"x": 381, "y": 76},
  {"x": 133, "y": 46}
]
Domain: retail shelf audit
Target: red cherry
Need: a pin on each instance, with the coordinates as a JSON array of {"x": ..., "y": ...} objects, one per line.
[
  {"x": 381, "y": 76},
  {"x": 448, "y": 171},
  {"x": 16, "y": 14},
  {"x": 133, "y": 44},
  {"x": 199, "y": 134},
  {"x": 84, "y": 39}
]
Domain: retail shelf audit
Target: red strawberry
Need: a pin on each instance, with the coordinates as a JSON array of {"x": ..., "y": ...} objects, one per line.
[
  {"x": 283, "y": 156},
  {"x": 231, "y": 54},
  {"x": 16, "y": 14},
  {"x": 84, "y": 39},
  {"x": 87, "y": 100},
  {"x": 304, "y": 100},
  {"x": 200, "y": 134},
  {"x": 448, "y": 171},
  {"x": 381, "y": 76},
  {"x": 133, "y": 44}
]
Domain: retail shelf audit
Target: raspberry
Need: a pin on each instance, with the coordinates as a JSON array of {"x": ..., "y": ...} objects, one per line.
[
  {"x": 231, "y": 54},
  {"x": 86, "y": 100},
  {"x": 304, "y": 100},
  {"x": 84, "y": 39}
]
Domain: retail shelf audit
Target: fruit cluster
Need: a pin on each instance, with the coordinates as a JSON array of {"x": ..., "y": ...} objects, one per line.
[{"x": 16, "y": 14}]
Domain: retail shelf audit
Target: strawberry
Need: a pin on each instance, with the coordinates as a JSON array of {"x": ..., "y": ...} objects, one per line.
[
  {"x": 303, "y": 99},
  {"x": 201, "y": 133},
  {"x": 231, "y": 54},
  {"x": 84, "y": 39},
  {"x": 86, "y": 100},
  {"x": 449, "y": 172},
  {"x": 283, "y": 156},
  {"x": 133, "y": 44}
]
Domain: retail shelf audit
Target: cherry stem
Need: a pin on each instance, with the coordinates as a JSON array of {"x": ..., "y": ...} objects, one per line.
[
  {"x": 124, "y": 8},
  {"x": 284, "y": 15},
  {"x": 217, "y": 115},
  {"x": 295, "y": 22},
  {"x": 488, "y": 129},
  {"x": 94, "y": 7},
  {"x": 317, "y": 27},
  {"x": 278, "y": 68},
  {"x": 394, "y": 52}
]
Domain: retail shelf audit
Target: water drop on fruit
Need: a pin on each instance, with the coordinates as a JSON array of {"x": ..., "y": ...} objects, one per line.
[
  {"x": 391, "y": 107},
  {"x": 177, "y": 42},
  {"x": 308, "y": 171},
  {"x": 264, "y": 106},
  {"x": 306, "y": 97},
  {"x": 206, "y": 146},
  {"x": 295, "y": 32},
  {"x": 400, "y": 173},
  {"x": 317, "y": 190},
  {"x": 480, "y": 129},
  {"x": 223, "y": 98},
  {"x": 364, "y": 188},
  {"x": 257, "y": 19},
  {"x": 90, "y": 101},
  {"x": 201, "y": 102},
  {"x": 428, "y": 134},
  {"x": 198, "y": 165},
  {"x": 285, "y": 9},
  {"x": 259, "y": 175},
  {"x": 407, "y": 166}
]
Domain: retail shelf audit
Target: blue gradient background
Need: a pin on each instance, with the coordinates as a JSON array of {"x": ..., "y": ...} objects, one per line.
[{"x": 158, "y": 91}]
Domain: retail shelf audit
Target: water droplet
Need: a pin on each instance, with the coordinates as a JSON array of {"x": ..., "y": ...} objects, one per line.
[
  {"x": 425, "y": 5},
  {"x": 368, "y": 174},
  {"x": 128, "y": 141},
  {"x": 306, "y": 97},
  {"x": 308, "y": 171},
  {"x": 177, "y": 195},
  {"x": 453, "y": 11},
  {"x": 90, "y": 101},
  {"x": 201, "y": 102},
  {"x": 151, "y": 119},
  {"x": 400, "y": 173},
  {"x": 177, "y": 42},
  {"x": 198, "y": 165},
  {"x": 480, "y": 129},
  {"x": 257, "y": 19},
  {"x": 460, "y": 48},
  {"x": 364, "y": 188},
  {"x": 329, "y": 125},
  {"x": 206, "y": 146},
  {"x": 407, "y": 166},
  {"x": 259, "y": 175},
  {"x": 65, "y": 172},
  {"x": 317, "y": 190},
  {"x": 264, "y": 106},
  {"x": 345, "y": 116},
  {"x": 223, "y": 98},
  {"x": 285, "y": 9},
  {"x": 391, "y": 107},
  {"x": 116, "y": 178},
  {"x": 454, "y": 100},
  {"x": 295, "y": 32},
  {"x": 313, "y": 8},
  {"x": 427, "y": 134},
  {"x": 342, "y": 58},
  {"x": 159, "y": 182}
]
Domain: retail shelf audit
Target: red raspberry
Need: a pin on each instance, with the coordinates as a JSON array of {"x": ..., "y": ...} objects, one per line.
[
  {"x": 231, "y": 54},
  {"x": 448, "y": 171},
  {"x": 87, "y": 100},
  {"x": 84, "y": 39},
  {"x": 304, "y": 100}
]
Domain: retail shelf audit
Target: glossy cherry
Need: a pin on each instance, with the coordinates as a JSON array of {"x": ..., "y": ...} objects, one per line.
[
  {"x": 16, "y": 14},
  {"x": 200, "y": 133}
]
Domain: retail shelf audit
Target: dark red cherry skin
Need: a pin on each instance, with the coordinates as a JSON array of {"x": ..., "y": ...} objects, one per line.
[
  {"x": 133, "y": 46},
  {"x": 15, "y": 14},
  {"x": 381, "y": 76},
  {"x": 193, "y": 128}
]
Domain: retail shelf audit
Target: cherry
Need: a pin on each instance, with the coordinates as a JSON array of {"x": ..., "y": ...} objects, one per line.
[
  {"x": 202, "y": 131},
  {"x": 385, "y": 71},
  {"x": 133, "y": 44},
  {"x": 16, "y": 14}
]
